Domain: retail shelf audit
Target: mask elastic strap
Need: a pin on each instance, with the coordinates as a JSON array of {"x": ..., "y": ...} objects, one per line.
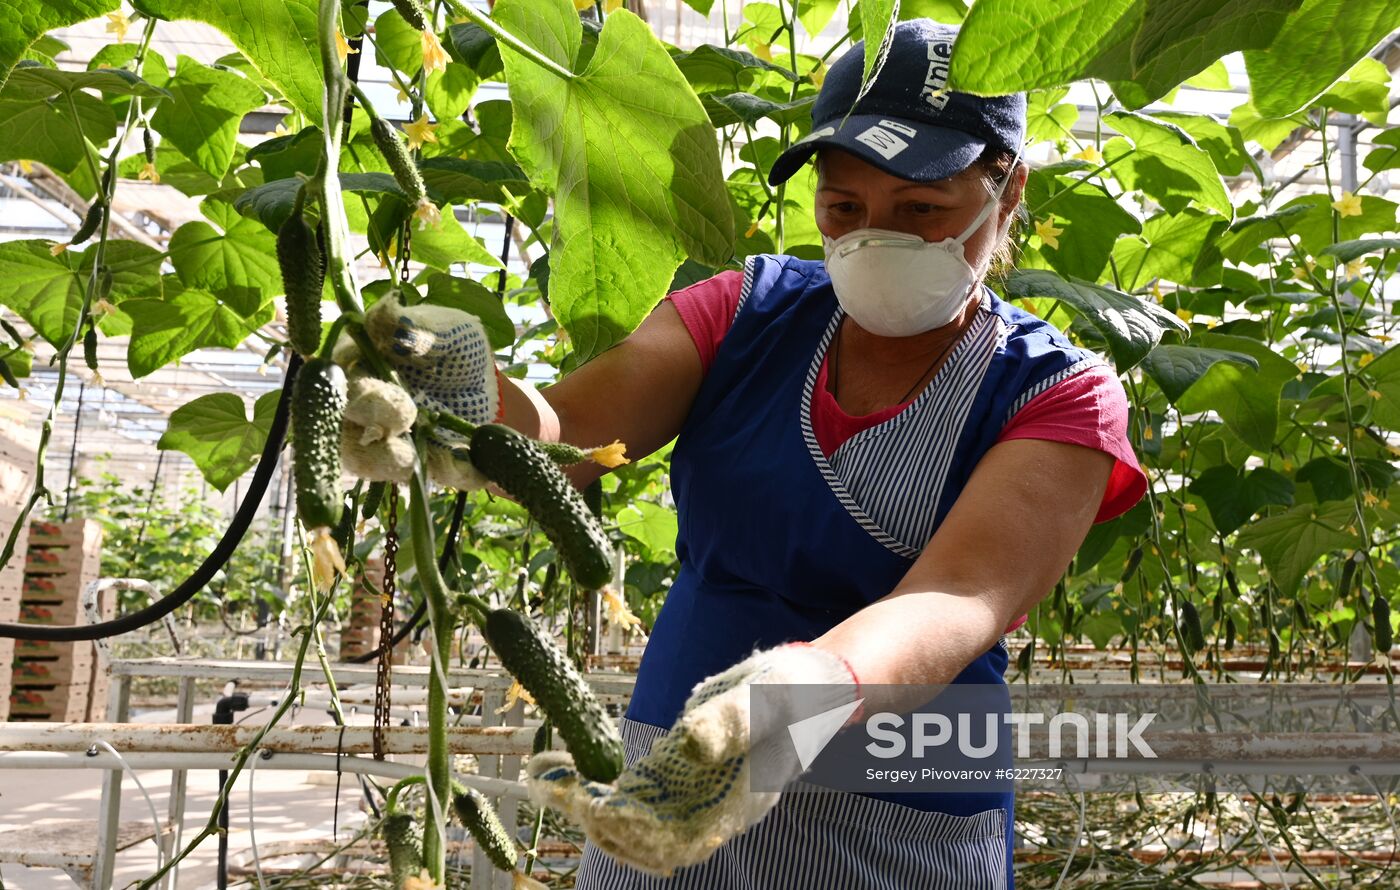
[{"x": 991, "y": 205}]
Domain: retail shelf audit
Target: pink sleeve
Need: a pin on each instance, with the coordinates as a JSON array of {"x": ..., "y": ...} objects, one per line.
[
  {"x": 1089, "y": 408},
  {"x": 707, "y": 309}
]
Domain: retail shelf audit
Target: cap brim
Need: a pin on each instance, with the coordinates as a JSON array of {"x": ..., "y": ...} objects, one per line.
[{"x": 903, "y": 148}]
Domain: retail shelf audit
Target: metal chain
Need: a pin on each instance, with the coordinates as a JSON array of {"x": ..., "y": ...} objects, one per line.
[
  {"x": 386, "y": 625},
  {"x": 406, "y": 248}
]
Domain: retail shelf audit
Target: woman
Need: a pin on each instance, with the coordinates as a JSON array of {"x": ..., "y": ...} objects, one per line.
[{"x": 877, "y": 460}]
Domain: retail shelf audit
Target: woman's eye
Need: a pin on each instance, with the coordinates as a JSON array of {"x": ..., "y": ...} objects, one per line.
[
  {"x": 842, "y": 207},
  {"x": 922, "y": 207}
]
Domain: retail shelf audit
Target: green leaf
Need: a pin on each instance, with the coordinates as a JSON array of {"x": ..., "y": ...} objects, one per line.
[
  {"x": 876, "y": 17},
  {"x": 1176, "y": 367},
  {"x": 719, "y": 69},
  {"x": 1386, "y": 156},
  {"x": 1245, "y": 398},
  {"x": 1215, "y": 77},
  {"x": 448, "y": 92},
  {"x": 47, "y": 132},
  {"x": 1131, "y": 326},
  {"x": 459, "y": 181},
  {"x": 214, "y": 430},
  {"x": 397, "y": 44},
  {"x": 1346, "y": 251},
  {"x": 727, "y": 110},
  {"x": 201, "y": 116},
  {"x": 632, "y": 159},
  {"x": 186, "y": 320},
  {"x": 1266, "y": 131},
  {"x": 472, "y": 46},
  {"x": 26, "y": 22},
  {"x": 1292, "y": 542},
  {"x": 472, "y": 296},
  {"x": 43, "y": 289},
  {"x": 1006, "y": 46},
  {"x": 283, "y": 157},
  {"x": 1364, "y": 91},
  {"x": 178, "y": 171},
  {"x": 36, "y": 84},
  {"x": 949, "y": 12},
  {"x": 815, "y": 15},
  {"x": 1168, "y": 165},
  {"x": 277, "y": 36},
  {"x": 1225, "y": 144},
  {"x": 1181, "y": 38},
  {"x": 652, "y": 524},
  {"x": 1092, "y": 220},
  {"x": 447, "y": 243},
  {"x": 238, "y": 264},
  {"x": 1246, "y": 234},
  {"x": 1234, "y": 496},
  {"x": 1314, "y": 229},
  {"x": 1047, "y": 118},
  {"x": 1317, "y": 44},
  {"x": 1169, "y": 247},
  {"x": 272, "y": 202}
]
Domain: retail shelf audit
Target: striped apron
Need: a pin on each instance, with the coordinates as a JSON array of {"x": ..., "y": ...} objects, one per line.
[{"x": 778, "y": 543}]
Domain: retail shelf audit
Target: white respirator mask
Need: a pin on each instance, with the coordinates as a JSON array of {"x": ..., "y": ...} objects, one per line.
[{"x": 894, "y": 284}]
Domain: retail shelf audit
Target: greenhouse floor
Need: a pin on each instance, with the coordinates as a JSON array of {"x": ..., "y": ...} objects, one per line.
[{"x": 290, "y": 805}]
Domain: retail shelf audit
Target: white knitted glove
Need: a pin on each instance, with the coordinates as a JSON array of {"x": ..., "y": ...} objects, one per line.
[
  {"x": 444, "y": 360},
  {"x": 678, "y": 804}
]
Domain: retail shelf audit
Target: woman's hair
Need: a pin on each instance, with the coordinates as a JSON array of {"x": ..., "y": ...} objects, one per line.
[{"x": 995, "y": 164}]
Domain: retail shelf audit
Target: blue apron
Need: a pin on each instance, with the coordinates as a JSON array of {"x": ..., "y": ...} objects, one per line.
[{"x": 779, "y": 543}]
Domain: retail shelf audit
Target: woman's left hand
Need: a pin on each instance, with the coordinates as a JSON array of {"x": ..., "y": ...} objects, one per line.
[{"x": 692, "y": 793}]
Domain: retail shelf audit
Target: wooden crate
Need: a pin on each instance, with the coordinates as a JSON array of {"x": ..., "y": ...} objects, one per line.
[
  {"x": 12, "y": 481},
  {"x": 55, "y": 670},
  {"x": 62, "y": 703}
]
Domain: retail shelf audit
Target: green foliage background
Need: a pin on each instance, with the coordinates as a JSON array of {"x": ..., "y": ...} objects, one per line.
[{"x": 1251, "y": 335}]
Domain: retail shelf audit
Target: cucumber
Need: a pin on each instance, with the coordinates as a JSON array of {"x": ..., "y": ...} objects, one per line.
[
  {"x": 373, "y": 496},
  {"x": 303, "y": 275},
  {"x": 1380, "y": 623},
  {"x": 517, "y": 464},
  {"x": 560, "y": 691},
  {"x": 400, "y": 160},
  {"x": 405, "y": 850},
  {"x": 90, "y": 346},
  {"x": 479, "y": 817},
  {"x": 412, "y": 13},
  {"x": 89, "y": 224},
  {"x": 318, "y": 403},
  {"x": 1191, "y": 630}
]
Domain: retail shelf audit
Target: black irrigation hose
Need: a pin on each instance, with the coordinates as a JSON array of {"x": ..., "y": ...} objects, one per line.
[
  {"x": 201, "y": 576},
  {"x": 449, "y": 547}
]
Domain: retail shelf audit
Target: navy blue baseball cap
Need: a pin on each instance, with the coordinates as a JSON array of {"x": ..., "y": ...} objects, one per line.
[{"x": 907, "y": 125}]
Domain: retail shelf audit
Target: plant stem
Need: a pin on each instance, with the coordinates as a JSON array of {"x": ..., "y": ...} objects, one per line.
[{"x": 440, "y": 623}]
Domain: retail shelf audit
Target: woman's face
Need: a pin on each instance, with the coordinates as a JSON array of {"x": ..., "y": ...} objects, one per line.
[{"x": 852, "y": 194}]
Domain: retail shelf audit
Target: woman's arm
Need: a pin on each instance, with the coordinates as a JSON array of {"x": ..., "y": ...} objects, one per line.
[
  {"x": 639, "y": 391},
  {"x": 1012, "y": 532}
]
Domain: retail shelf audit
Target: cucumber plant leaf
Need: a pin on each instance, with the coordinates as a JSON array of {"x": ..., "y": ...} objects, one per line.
[
  {"x": 215, "y": 432},
  {"x": 277, "y": 36},
  {"x": 1317, "y": 44},
  {"x": 1005, "y": 46},
  {"x": 1293, "y": 541},
  {"x": 48, "y": 132},
  {"x": 185, "y": 320},
  {"x": 1176, "y": 367},
  {"x": 1246, "y": 398},
  {"x": 1166, "y": 164},
  {"x": 26, "y": 22},
  {"x": 239, "y": 263},
  {"x": 1233, "y": 496},
  {"x": 201, "y": 116},
  {"x": 632, "y": 160},
  {"x": 1130, "y": 325}
]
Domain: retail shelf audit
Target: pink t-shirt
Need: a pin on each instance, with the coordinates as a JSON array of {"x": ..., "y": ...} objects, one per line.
[{"x": 1089, "y": 408}]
